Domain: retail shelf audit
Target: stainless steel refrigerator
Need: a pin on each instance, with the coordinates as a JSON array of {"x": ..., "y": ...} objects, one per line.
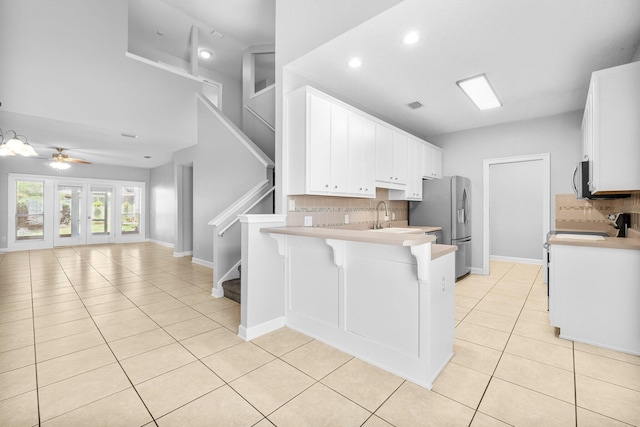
[{"x": 446, "y": 203}]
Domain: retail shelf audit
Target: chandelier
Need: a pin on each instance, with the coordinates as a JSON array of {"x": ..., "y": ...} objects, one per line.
[{"x": 11, "y": 144}]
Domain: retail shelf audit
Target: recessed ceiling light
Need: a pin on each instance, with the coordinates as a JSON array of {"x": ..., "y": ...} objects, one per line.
[
  {"x": 480, "y": 91},
  {"x": 205, "y": 54},
  {"x": 355, "y": 63},
  {"x": 160, "y": 33},
  {"x": 129, "y": 135},
  {"x": 147, "y": 157},
  {"x": 411, "y": 38}
]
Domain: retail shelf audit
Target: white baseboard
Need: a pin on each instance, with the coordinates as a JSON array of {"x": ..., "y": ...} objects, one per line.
[
  {"x": 480, "y": 271},
  {"x": 202, "y": 262},
  {"x": 253, "y": 332},
  {"x": 158, "y": 242},
  {"x": 182, "y": 254},
  {"x": 514, "y": 259}
]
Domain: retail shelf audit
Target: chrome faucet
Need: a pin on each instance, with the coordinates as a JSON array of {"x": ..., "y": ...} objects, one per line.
[{"x": 377, "y": 224}]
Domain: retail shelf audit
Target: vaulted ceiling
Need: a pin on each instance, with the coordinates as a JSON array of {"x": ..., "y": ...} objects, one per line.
[{"x": 65, "y": 80}]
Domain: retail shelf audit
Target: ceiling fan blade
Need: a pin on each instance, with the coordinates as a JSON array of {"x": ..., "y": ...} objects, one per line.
[{"x": 72, "y": 160}]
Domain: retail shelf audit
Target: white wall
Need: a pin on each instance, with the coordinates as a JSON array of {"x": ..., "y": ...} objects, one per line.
[
  {"x": 223, "y": 170},
  {"x": 39, "y": 167},
  {"x": 515, "y": 208},
  {"x": 162, "y": 216},
  {"x": 464, "y": 152}
]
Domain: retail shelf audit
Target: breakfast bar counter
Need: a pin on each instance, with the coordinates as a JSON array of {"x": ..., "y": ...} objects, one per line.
[{"x": 379, "y": 295}]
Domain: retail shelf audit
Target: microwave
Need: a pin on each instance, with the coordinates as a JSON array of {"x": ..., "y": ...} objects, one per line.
[{"x": 580, "y": 184}]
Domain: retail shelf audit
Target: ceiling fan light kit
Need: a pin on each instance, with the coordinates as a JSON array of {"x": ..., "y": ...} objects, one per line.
[
  {"x": 61, "y": 161},
  {"x": 13, "y": 145}
]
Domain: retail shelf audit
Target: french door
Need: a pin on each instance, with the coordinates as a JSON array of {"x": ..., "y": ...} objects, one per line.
[
  {"x": 48, "y": 211},
  {"x": 100, "y": 215},
  {"x": 70, "y": 226},
  {"x": 84, "y": 215}
]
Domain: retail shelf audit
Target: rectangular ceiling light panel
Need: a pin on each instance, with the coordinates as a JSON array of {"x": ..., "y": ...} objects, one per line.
[{"x": 480, "y": 91}]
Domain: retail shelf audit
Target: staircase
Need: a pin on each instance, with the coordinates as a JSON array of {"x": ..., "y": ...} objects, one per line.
[{"x": 258, "y": 138}]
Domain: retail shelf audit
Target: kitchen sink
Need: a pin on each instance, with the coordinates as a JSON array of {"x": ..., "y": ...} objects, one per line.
[
  {"x": 397, "y": 230},
  {"x": 579, "y": 236}
]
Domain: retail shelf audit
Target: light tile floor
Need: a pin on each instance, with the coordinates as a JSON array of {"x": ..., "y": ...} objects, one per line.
[{"x": 129, "y": 335}]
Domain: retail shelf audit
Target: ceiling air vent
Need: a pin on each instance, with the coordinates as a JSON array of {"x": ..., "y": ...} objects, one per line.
[{"x": 415, "y": 105}]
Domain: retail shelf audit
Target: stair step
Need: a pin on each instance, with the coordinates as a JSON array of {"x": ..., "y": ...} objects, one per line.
[{"x": 232, "y": 289}]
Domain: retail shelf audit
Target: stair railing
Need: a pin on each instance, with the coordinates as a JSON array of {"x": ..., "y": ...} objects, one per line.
[{"x": 259, "y": 117}]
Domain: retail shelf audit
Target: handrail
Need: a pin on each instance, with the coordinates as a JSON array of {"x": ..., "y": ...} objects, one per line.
[
  {"x": 259, "y": 192},
  {"x": 250, "y": 145},
  {"x": 259, "y": 117},
  {"x": 237, "y": 218}
]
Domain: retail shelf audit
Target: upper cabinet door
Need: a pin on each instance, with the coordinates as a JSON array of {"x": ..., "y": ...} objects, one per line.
[
  {"x": 432, "y": 165},
  {"x": 400, "y": 158},
  {"x": 339, "y": 149},
  {"x": 613, "y": 127},
  {"x": 319, "y": 144},
  {"x": 384, "y": 154},
  {"x": 362, "y": 136}
]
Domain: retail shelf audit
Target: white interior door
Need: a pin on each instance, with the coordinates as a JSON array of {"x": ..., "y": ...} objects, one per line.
[
  {"x": 70, "y": 226},
  {"x": 100, "y": 215}
]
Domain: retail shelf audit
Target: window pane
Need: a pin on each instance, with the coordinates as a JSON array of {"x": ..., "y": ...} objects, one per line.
[
  {"x": 264, "y": 70},
  {"x": 29, "y": 210},
  {"x": 130, "y": 210}
]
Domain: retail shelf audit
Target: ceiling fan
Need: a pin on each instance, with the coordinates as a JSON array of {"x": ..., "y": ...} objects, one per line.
[{"x": 60, "y": 160}]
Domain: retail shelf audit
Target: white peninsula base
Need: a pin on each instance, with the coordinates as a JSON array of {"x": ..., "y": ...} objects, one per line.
[{"x": 388, "y": 304}]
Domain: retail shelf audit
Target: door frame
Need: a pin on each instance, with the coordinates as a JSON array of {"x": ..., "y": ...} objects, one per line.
[{"x": 546, "y": 201}]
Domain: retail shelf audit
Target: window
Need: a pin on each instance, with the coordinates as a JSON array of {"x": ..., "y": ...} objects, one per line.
[
  {"x": 264, "y": 70},
  {"x": 130, "y": 210},
  {"x": 29, "y": 210}
]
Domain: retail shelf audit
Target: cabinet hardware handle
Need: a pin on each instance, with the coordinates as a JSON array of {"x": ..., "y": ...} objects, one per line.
[
  {"x": 326, "y": 186},
  {"x": 335, "y": 186}
]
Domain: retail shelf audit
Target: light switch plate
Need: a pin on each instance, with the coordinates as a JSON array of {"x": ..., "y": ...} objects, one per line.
[
  {"x": 292, "y": 205},
  {"x": 308, "y": 221},
  {"x": 393, "y": 216},
  {"x": 346, "y": 218}
]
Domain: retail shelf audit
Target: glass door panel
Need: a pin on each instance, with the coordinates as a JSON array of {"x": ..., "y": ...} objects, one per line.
[
  {"x": 29, "y": 210},
  {"x": 69, "y": 225},
  {"x": 130, "y": 210},
  {"x": 100, "y": 215}
]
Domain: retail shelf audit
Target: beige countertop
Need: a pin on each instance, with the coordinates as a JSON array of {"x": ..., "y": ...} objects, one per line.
[
  {"x": 631, "y": 242},
  {"x": 404, "y": 238}
]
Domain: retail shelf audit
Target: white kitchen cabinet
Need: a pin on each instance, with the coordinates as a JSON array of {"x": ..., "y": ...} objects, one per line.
[
  {"x": 361, "y": 170},
  {"x": 413, "y": 190},
  {"x": 392, "y": 157},
  {"x": 594, "y": 297},
  {"x": 322, "y": 159},
  {"x": 432, "y": 166},
  {"x": 611, "y": 129},
  {"x": 335, "y": 149}
]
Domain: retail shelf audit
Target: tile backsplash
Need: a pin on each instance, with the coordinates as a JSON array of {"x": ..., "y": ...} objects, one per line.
[
  {"x": 578, "y": 214},
  {"x": 328, "y": 211}
]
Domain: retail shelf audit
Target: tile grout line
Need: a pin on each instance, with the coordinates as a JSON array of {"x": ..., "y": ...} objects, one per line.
[
  {"x": 505, "y": 345},
  {"x": 35, "y": 350},
  {"x": 103, "y": 337},
  {"x": 176, "y": 341}
]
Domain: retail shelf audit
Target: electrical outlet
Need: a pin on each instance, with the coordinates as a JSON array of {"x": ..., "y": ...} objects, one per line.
[
  {"x": 308, "y": 221},
  {"x": 346, "y": 218},
  {"x": 292, "y": 205}
]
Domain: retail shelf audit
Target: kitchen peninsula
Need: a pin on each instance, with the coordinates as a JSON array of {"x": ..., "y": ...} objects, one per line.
[{"x": 385, "y": 296}]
